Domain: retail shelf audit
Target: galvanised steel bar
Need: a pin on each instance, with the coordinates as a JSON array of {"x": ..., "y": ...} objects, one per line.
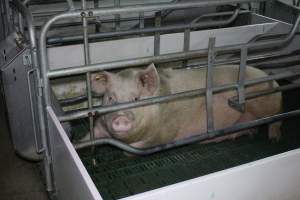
[
  {"x": 87, "y": 61},
  {"x": 189, "y": 140},
  {"x": 71, "y": 4},
  {"x": 157, "y": 34},
  {"x": 241, "y": 80},
  {"x": 171, "y": 97},
  {"x": 41, "y": 115},
  {"x": 209, "y": 84},
  {"x": 173, "y": 56},
  {"x": 152, "y": 30},
  {"x": 117, "y": 16}
]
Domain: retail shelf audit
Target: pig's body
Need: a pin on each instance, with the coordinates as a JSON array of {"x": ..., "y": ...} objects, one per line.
[{"x": 163, "y": 123}]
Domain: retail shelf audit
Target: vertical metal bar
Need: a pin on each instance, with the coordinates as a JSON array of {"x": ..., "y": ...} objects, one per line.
[
  {"x": 97, "y": 18},
  {"x": 71, "y": 4},
  {"x": 87, "y": 61},
  {"x": 142, "y": 20},
  {"x": 209, "y": 84},
  {"x": 157, "y": 34},
  {"x": 117, "y": 16},
  {"x": 38, "y": 150},
  {"x": 21, "y": 26},
  {"x": 186, "y": 44},
  {"x": 241, "y": 80}
]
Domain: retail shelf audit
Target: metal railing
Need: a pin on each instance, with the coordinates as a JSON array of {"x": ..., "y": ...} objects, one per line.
[{"x": 88, "y": 68}]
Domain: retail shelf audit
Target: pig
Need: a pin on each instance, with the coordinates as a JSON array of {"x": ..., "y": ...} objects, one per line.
[{"x": 157, "y": 124}]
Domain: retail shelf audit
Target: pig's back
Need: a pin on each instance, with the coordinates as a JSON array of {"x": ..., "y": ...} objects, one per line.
[{"x": 189, "y": 79}]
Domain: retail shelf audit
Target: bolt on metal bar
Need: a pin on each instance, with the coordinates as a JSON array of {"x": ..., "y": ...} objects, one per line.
[
  {"x": 209, "y": 84},
  {"x": 188, "y": 94},
  {"x": 189, "y": 140},
  {"x": 41, "y": 115}
]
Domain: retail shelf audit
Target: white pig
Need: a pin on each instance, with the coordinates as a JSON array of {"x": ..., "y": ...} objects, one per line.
[{"x": 162, "y": 123}]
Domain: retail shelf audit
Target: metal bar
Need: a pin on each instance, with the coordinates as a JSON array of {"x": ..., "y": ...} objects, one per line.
[
  {"x": 87, "y": 61},
  {"x": 33, "y": 49},
  {"x": 38, "y": 150},
  {"x": 71, "y": 4},
  {"x": 21, "y": 26},
  {"x": 186, "y": 44},
  {"x": 149, "y": 30},
  {"x": 254, "y": 95},
  {"x": 117, "y": 16},
  {"x": 172, "y": 97},
  {"x": 241, "y": 80},
  {"x": 172, "y": 57},
  {"x": 189, "y": 140},
  {"x": 141, "y": 20},
  {"x": 157, "y": 34},
  {"x": 165, "y": 6},
  {"x": 209, "y": 84},
  {"x": 219, "y": 14}
]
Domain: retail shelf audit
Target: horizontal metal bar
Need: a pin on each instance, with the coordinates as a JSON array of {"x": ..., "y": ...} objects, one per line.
[
  {"x": 124, "y": 63},
  {"x": 158, "y": 7},
  {"x": 154, "y": 100},
  {"x": 152, "y": 30},
  {"x": 172, "y": 56},
  {"x": 234, "y": 101},
  {"x": 188, "y": 140}
]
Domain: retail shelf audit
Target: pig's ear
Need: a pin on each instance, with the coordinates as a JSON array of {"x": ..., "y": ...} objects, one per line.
[
  {"x": 99, "y": 82},
  {"x": 149, "y": 79}
]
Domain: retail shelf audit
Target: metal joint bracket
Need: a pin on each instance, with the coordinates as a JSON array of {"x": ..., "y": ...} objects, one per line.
[{"x": 27, "y": 61}]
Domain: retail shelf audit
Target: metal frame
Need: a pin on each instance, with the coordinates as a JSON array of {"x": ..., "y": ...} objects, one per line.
[
  {"x": 44, "y": 100},
  {"x": 157, "y": 58}
]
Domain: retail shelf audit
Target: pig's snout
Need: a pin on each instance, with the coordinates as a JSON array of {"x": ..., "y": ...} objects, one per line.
[{"x": 122, "y": 123}]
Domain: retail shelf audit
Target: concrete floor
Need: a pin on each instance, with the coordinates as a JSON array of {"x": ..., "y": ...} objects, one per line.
[{"x": 19, "y": 179}]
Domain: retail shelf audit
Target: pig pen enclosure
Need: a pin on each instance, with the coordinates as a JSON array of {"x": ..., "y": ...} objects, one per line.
[{"x": 172, "y": 34}]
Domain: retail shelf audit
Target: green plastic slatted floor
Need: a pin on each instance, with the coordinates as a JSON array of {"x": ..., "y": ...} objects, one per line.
[{"x": 117, "y": 175}]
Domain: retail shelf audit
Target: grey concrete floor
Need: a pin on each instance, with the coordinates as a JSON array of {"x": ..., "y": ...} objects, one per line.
[{"x": 19, "y": 179}]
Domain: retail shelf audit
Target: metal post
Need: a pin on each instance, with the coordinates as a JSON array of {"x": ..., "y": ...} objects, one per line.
[
  {"x": 117, "y": 16},
  {"x": 157, "y": 34},
  {"x": 186, "y": 44},
  {"x": 141, "y": 20},
  {"x": 209, "y": 84},
  {"x": 240, "y": 104},
  {"x": 87, "y": 61}
]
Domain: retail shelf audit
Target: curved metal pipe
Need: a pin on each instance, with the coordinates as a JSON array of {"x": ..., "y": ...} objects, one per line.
[{"x": 193, "y": 139}]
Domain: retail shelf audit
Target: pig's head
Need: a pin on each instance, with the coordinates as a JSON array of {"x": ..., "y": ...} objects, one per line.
[{"x": 127, "y": 86}]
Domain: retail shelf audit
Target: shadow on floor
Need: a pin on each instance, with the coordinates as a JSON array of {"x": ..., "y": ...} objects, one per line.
[{"x": 19, "y": 179}]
